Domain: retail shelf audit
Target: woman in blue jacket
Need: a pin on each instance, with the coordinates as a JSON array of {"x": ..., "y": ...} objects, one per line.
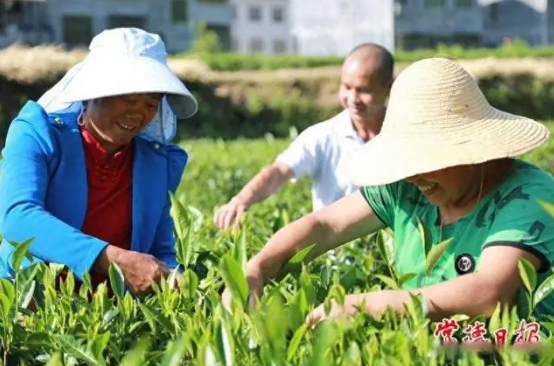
[{"x": 87, "y": 171}]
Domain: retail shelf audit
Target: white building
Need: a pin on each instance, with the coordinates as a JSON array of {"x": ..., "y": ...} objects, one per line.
[
  {"x": 75, "y": 22},
  {"x": 310, "y": 27},
  {"x": 334, "y": 27},
  {"x": 261, "y": 26}
]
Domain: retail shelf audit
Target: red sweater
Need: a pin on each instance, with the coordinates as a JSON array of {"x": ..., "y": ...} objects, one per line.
[{"x": 110, "y": 196}]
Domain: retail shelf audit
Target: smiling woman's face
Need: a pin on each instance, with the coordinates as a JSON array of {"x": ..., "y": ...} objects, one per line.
[{"x": 115, "y": 121}]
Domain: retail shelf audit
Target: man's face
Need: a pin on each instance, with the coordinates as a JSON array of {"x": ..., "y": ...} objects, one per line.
[
  {"x": 116, "y": 120},
  {"x": 363, "y": 91}
]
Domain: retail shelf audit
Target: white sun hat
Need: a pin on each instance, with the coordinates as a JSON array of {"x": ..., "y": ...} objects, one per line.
[
  {"x": 126, "y": 61},
  {"x": 437, "y": 117}
]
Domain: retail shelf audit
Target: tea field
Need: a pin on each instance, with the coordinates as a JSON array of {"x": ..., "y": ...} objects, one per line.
[{"x": 45, "y": 324}]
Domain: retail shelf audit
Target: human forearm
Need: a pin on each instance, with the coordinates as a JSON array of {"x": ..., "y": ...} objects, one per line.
[
  {"x": 264, "y": 184},
  {"x": 470, "y": 294},
  {"x": 327, "y": 228},
  {"x": 287, "y": 242}
]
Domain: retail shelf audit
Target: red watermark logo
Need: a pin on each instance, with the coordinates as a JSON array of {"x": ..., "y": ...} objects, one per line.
[{"x": 526, "y": 333}]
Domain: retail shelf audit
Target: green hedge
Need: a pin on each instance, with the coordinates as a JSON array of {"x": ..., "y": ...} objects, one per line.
[
  {"x": 277, "y": 107},
  {"x": 236, "y": 61}
]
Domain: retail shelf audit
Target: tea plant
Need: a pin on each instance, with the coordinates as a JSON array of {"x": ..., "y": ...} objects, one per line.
[{"x": 45, "y": 321}]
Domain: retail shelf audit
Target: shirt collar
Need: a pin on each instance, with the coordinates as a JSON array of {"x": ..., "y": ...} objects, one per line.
[
  {"x": 346, "y": 128},
  {"x": 97, "y": 151}
]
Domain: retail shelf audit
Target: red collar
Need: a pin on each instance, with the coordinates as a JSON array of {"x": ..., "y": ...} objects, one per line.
[{"x": 95, "y": 150}]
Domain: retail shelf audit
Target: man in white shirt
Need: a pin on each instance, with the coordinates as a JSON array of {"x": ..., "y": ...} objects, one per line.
[{"x": 322, "y": 150}]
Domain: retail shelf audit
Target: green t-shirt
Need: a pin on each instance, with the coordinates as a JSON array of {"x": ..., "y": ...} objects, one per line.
[{"x": 508, "y": 215}]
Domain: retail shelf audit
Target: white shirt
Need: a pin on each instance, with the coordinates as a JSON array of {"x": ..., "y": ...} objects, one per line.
[{"x": 322, "y": 152}]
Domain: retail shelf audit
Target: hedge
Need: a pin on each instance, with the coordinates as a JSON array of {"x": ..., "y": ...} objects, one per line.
[
  {"x": 237, "y": 61},
  {"x": 254, "y": 110}
]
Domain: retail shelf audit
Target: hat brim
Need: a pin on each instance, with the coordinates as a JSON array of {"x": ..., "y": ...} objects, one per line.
[
  {"x": 392, "y": 156},
  {"x": 100, "y": 77}
]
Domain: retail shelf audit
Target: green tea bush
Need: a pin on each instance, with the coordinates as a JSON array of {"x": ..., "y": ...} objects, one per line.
[
  {"x": 279, "y": 107},
  {"x": 45, "y": 323}
]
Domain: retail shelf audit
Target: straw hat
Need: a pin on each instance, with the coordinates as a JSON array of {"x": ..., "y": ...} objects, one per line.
[
  {"x": 126, "y": 61},
  {"x": 437, "y": 117}
]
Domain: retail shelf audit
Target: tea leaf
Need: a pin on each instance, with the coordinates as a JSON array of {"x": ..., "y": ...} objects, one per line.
[
  {"x": 149, "y": 316},
  {"x": 434, "y": 255},
  {"x": 183, "y": 226},
  {"x": 180, "y": 216},
  {"x": 544, "y": 290},
  {"x": 223, "y": 344},
  {"x": 528, "y": 274},
  {"x": 326, "y": 333},
  {"x": 175, "y": 352},
  {"x": 494, "y": 322},
  {"x": 301, "y": 255},
  {"x": 76, "y": 349},
  {"x": 295, "y": 342},
  {"x": 6, "y": 307},
  {"x": 426, "y": 239},
  {"x": 388, "y": 281},
  {"x": 21, "y": 251},
  {"x": 7, "y": 289},
  {"x": 353, "y": 355},
  {"x": 239, "y": 251},
  {"x": 117, "y": 281},
  {"x": 405, "y": 278},
  {"x": 26, "y": 295},
  {"x": 55, "y": 360},
  {"x": 137, "y": 355},
  {"x": 109, "y": 317},
  {"x": 234, "y": 279},
  {"x": 98, "y": 345}
]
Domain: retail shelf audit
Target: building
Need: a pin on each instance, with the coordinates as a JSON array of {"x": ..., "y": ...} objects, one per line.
[
  {"x": 427, "y": 23},
  {"x": 529, "y": 20},
  {"x": 310, "y": 27},
  {"x": 261, "y": 26},
  {"x": 334, "y": 27},
  {"x": 75, "y": 22},
  {"x": 24, "y": 22}
]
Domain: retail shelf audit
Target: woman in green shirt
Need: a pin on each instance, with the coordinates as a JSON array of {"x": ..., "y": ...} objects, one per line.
[{"x": 445, "y": 158}]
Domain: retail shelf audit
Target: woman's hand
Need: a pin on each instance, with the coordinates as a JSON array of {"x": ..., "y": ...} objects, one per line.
[
  {"x": 373, "y": 303},
  {"x": 139, "y": 269},
  {"x": 350, "y": 307}
]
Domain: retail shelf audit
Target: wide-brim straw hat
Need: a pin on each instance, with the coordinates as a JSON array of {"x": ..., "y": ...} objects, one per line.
[
  {"x": 437, "y": 117},
  {"x": 126, "y": 61}
]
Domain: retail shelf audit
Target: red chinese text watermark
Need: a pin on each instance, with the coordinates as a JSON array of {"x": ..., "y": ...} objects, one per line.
[{"x": 526, "y": 333}]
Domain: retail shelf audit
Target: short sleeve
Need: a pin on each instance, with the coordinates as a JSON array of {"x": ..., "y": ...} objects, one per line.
[
  {"x": 521, "y": 221},
  {"x": 303, "y": 153},
  {"x": 382, "y": 200}
]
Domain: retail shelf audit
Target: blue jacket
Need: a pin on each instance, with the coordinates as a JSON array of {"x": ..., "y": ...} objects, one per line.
[{"x": 43, "y": 193}]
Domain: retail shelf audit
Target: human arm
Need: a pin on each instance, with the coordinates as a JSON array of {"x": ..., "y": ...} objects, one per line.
[
  {"x": 346, "y": 219},
  {"x": 472, "y": 294},
  {"x": 300, "y": 159},
  {"x": 263, "y": 185},
  {"x": 30, "y": 153}
]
